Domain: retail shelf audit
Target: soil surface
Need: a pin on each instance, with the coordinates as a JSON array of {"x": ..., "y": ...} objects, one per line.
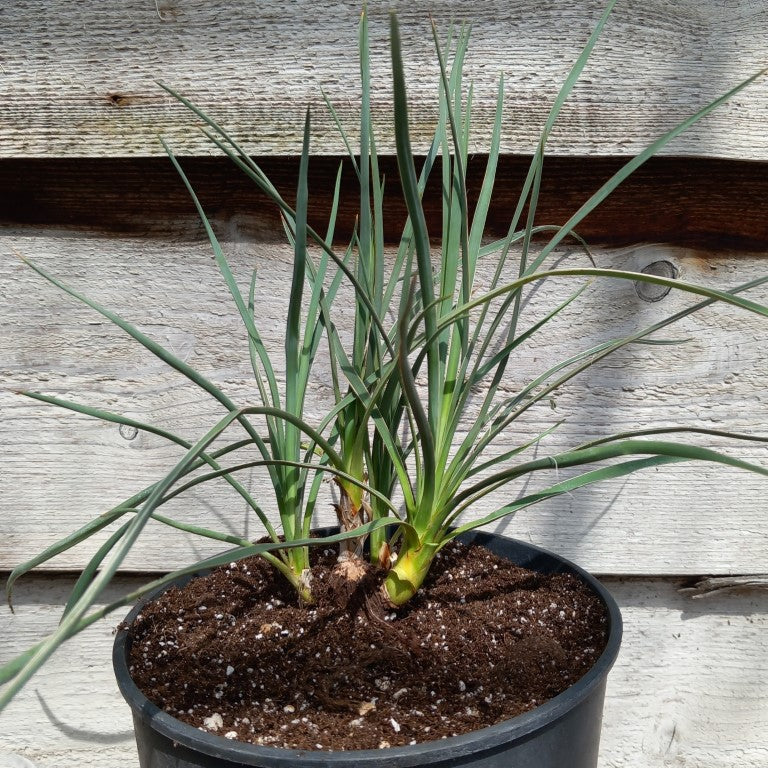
[{"x": 233, "y": 653}]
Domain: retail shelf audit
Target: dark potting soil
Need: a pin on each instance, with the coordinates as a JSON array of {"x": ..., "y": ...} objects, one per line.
[{"x": 235, "y": 654}]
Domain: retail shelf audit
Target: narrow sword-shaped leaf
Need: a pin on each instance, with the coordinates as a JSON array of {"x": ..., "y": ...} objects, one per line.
[
  {"x": 95, "y": 525},
  {"x": 566, "y": 486},
  {"x": 18, "y": 670},
  {"x": 603, "y": 452},
  {"x": 416, "y": 212},
  {"x": 231, "y": 149},
  {"x": 157, "y": 350},
  {"x": 630, "y": 167},
  {"x": 116, "y": 418}
]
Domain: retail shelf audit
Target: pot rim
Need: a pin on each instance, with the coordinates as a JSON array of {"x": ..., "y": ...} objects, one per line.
[{"x": 518, "y": 728}]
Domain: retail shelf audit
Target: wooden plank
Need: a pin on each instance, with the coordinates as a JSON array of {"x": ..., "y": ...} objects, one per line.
[
  {"x": 72, "y": 712},
  {"x": 677, "y": 695},
  {"x": 688, "y": 201},
  {"x": 60, "y": 469},
  {"x": 80, "y": 81},
  {"x": 688, "y": 687}
]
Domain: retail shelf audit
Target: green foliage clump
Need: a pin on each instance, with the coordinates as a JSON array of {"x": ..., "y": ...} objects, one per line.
[{"x": 401, "y": 425}]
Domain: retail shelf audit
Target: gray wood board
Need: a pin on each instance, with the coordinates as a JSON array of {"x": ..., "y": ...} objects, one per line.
[
  {"x": 61, "y": 470},
  {"x": 79, "y": 79}
]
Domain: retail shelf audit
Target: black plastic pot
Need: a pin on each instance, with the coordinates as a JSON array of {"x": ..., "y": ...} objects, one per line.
[{"x": 562, "y": 733}]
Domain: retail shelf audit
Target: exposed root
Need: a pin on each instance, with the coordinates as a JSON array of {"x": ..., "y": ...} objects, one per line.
[{"x": 349, "y": 581}]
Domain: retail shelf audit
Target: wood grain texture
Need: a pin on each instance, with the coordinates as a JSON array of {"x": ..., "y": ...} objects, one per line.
[
  {"x": 703, "y": 202},
  {"x": 688, "y": 688},
  {"x": 60, "y": 469},
  {"x": 80, "y": 80}
]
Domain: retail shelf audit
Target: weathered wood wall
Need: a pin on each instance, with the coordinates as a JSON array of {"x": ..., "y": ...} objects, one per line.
[{"x": 82, "y": 192}]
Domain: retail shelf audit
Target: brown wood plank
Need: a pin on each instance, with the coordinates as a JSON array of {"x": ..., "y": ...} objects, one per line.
[{"x": 686, "y": 201}]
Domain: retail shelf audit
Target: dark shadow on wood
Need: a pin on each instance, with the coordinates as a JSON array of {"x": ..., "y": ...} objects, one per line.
[
  {"x": 686, "y": 201},
  {"x": 75, "y": 733}
]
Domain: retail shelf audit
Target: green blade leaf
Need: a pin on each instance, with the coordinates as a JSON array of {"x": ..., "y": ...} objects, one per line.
[
  {"x": 19, "y": 670},
  {"x": 116, "y": 418},
  {"x": 630, "y": 167},
  {"x": 418, "y": 220},
  {"x": 229, "y": 279},
  {"x": 602, "y": 452},
  {"x": 71, "y": 540},
  {"x": 157, "y": 350},
  {"x": 566, "y": 486}
]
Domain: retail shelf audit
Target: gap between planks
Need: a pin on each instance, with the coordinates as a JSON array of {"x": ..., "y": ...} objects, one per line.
[{"x": 684, "y": 201}]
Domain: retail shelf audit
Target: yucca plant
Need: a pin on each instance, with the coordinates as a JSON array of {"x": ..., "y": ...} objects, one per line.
[
  {"x": 295, "y": 454},
  {"x": 401, "y": 425},
  {"x": 461, "y": 342}
]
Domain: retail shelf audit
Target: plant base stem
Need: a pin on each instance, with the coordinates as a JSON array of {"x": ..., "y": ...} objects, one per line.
[{"x": 408, "y": 573}]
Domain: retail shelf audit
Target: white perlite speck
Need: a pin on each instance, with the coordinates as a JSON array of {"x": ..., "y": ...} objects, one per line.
[
  {"x": 230, "y": 670},
  {"x": 230, "y": 735},
  {"x": 214, "y": 722},
  {"x": 395, "y": 725}
]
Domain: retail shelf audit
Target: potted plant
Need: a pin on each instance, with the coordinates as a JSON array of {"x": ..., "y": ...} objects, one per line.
[{"x": 419, "y": 401}]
